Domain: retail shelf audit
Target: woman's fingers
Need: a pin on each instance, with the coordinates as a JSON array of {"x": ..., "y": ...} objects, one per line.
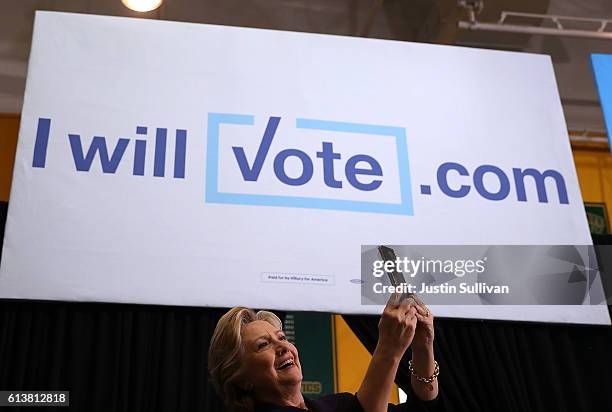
[
  {"x": 409, "y": 313},
  {"x": 423, "y": 318},
  {"x": 412, "y": 300},
  {"x": 417, "y": 299},
  {"x": 422, "y": 310},
  {"x": 410, "y": 316},
  {"x": 405, "y": 306},
  {"x": 397, "y": 325},
  {"x": 394, "y": 301},
  {"x": 406, "y": 312}
]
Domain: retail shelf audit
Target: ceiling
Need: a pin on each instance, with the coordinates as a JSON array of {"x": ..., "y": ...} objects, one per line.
[{"x": 433, "y": 21}]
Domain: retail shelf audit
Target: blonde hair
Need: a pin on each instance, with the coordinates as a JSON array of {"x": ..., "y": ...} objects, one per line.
[{"x": 225, "y": 352}]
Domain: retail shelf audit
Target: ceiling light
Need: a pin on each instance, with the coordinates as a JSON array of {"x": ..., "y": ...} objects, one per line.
[{"x": 142, "y": 5}]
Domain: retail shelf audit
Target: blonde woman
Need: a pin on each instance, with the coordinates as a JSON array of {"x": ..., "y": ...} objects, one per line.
[{"x": 255, "y": 369}]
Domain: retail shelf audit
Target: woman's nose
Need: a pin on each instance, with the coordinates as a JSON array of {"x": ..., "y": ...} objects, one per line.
[{"x": 281, "y": 350}]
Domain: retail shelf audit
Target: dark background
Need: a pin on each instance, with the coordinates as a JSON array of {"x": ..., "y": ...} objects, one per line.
[{"x": 117, "y": 357}]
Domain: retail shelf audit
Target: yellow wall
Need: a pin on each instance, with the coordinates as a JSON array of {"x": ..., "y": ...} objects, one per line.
[
  {"x": 352, "y": 360},
  {"x": 9, "y": 128},
  {"x": 594, "y": 168}
]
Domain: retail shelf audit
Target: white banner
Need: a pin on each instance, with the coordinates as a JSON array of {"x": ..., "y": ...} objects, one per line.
[{"x": 186, "y": 164}]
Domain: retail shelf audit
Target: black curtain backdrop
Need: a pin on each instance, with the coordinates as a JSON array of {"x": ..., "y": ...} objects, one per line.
[
  {"x": 116, "y": 357},
  {"x": 514, "y": 366},
  {"x": 110, "y": 357}
]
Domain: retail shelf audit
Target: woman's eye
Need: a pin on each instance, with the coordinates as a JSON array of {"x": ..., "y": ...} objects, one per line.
[
  {"x": 262, "y": 345},
  {"x": 283, "y": 337}
]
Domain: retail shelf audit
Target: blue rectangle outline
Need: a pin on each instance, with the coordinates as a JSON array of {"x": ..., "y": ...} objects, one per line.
[
  {"x": 598, "y": 61},
  {"x": 212, "y": 168}
]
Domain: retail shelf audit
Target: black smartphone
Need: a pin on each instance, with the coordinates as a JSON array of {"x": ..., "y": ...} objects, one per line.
[{"x": 395, "y": 277}]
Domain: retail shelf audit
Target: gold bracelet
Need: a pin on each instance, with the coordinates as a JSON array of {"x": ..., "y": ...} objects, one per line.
[{"x": 429, "y": 379}]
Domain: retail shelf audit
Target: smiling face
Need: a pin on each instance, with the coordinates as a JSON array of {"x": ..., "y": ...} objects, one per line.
[{"x": 270, "y": 363}]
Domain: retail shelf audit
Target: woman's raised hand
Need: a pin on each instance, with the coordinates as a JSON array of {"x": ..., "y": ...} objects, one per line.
[
  {"x": 397, "y": 327},
  {"x": 424, "y": 334}
]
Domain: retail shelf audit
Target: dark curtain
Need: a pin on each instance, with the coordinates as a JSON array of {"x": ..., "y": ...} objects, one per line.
[{"x": 110, "y": 357}]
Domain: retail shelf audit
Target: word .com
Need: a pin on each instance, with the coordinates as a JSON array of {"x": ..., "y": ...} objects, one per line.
[{"x": 362, "y": 172}]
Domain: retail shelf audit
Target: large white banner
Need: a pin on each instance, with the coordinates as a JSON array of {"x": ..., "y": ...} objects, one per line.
[{"x": 186, "y": 164}]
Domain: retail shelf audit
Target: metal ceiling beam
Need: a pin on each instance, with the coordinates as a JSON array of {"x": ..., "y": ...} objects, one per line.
[
  {"x": 509, "y": 28},
  {"x": 598, "y": 32}
]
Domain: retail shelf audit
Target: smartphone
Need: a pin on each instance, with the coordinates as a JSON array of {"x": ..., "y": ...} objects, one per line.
[{"x": 396, "y": 278}]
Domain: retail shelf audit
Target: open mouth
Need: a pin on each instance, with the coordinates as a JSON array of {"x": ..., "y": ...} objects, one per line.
[{"x": 286, "y": 364}]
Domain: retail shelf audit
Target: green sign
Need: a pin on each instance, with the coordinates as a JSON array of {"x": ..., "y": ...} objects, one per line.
[
  {"x": 597, "y": 217},
  {"x": 312, "y": 333}
]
